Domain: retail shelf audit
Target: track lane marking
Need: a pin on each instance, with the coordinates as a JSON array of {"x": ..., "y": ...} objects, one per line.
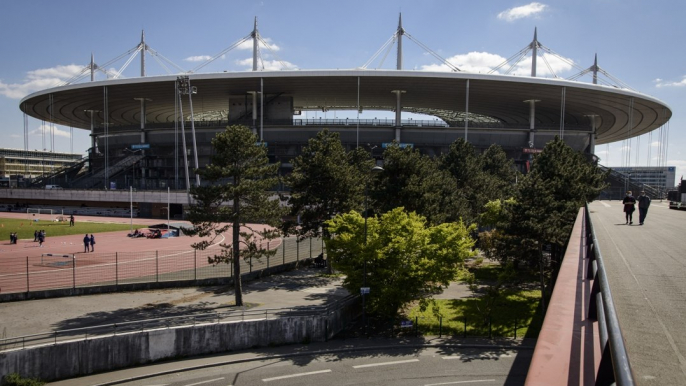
[
  {"x": 294, "y": 375},
  {"x": 385, "y": 363}
]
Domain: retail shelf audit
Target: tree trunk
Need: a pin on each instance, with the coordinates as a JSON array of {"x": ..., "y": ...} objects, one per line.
[{"x": 237, "y": 287}]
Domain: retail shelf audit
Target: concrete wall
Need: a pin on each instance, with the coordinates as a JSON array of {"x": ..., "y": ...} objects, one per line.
[{"x": 79, "y": 358}]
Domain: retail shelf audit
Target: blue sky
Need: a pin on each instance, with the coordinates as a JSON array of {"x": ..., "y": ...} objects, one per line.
[{"x": 640, "y": 42}]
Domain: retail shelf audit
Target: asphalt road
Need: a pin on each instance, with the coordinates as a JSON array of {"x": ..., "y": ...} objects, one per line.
[
  {"x": 428, "y": 366},
  {"x": 647, "y": 274}
]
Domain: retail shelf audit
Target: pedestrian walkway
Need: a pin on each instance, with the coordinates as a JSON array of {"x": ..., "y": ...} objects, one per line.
[
  {"x": 646, "y": 268},
  {"x": 299, "y": 288}
]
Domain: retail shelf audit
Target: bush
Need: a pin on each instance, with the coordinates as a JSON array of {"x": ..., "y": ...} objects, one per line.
[{"x": 15, "y": 379}]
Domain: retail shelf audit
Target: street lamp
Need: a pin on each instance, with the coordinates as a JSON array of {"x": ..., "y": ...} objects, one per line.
[{"x": 365, "y": 290}]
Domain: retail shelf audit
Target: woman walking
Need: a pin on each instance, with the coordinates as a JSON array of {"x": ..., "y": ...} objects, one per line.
[{"x": 629, "y": 201}]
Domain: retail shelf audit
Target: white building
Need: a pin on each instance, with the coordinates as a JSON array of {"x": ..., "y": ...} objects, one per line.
[{"x": 661, "y": 177}]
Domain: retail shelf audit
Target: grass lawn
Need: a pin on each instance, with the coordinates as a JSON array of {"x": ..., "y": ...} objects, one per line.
[
  {"x": 514, "y": 306},
  {"x": 519, "y": 305},
  {"x": 25, "y": 228}
]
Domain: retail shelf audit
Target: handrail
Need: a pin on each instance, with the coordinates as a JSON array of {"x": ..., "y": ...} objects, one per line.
[
  {"x": 614, "y": 364},
  {"x": 143, "y": 325}
]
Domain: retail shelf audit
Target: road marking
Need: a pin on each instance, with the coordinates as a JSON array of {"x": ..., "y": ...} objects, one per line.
[
  {"x": 295, "y": 375},
  {"x": 208, "y": 381},
  {"x": 480, "y": 356},
  {"x": 606, "y": 205},
  {"x": 460, "y": 382},
  {"x": 385, "y": 363}
]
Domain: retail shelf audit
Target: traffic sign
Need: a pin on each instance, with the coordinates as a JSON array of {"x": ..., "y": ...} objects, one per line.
[
  {"x": 406, "y": 324},
  {"x": 364, "y": 290}
]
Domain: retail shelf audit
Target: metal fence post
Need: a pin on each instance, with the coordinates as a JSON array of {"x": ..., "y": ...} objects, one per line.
[
  {"x": 310, "y": 247},
  {"x": 490, "y": 335},
  {"x": 27, "y": 275},
  {"x": 440, "y": 326},
  {"x": 465, "y": 326},
  {"x": 195, "y": 264},
  {"x": 267, "y": 254},
  {"x": 515, "y": 332},
  {"x": 157, "y": 267},
  {"x": 283, "y": 249},
  {"x": 116, "y": 268},
  {"x": 73, "y": 271},
  {"x": 250, "y": 262},
  {"x": 297, "y": 250}
]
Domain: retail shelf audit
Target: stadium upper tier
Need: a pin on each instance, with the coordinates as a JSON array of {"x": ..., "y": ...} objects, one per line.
[{"x": 492, "y": 101}]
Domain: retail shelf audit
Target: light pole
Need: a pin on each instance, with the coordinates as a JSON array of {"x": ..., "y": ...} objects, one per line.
[{"x": 365, "y": 290}]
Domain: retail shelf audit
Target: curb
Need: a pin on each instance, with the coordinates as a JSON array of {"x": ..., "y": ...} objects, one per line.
[{"x": 317, "y": 353}]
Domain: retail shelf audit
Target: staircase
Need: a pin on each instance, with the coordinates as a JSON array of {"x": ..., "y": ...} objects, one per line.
[{"x": 89, "y": 181}]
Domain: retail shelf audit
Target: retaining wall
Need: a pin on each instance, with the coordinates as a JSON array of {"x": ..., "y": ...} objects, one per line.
[{"x": 84, "y": 357}]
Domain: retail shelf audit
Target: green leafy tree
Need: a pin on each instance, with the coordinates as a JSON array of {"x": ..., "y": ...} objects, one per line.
[
  {"x": 238, "y": 180},
  {"x": 406, "y": 258},
  {"x": 326, "y": 180}
]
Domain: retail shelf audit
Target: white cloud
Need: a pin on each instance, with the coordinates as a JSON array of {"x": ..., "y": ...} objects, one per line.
[
  {"x": 39, "y": 80},
  {"x": 198, "y": 58},
  {"x": 269, "y": 65},
  {"x": 483, "y": 62},
  {"x": 661, "y": 83},
  {"x": 530, "y": 10},
  {"x": 655, "y": 144},
  {"x": 46, "y": 129}
]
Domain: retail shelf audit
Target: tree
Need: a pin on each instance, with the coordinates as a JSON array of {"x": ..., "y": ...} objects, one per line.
[
  {"x": 546, "y": 204},
  {"x": 406, "y": 258},
  {"x": 415, "y": 182},
  {"x": 325, "y": 181},
  {"x": 238, "y": 180},
  {"x": 464, "y": 165}
]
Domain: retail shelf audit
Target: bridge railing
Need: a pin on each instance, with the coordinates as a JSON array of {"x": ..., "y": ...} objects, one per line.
[{"x": 614, "y": 364}]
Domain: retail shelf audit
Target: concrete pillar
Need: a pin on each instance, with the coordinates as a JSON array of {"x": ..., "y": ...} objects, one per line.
[{"x": 398, "y": 111}]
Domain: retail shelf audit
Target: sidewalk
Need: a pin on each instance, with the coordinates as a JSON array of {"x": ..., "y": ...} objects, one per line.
[{"x": 302, "y": 287}]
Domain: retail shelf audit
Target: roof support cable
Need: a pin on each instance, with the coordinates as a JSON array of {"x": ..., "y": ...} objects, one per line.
[
  {"x": 515, "y": 63},
  {"x": 519, "y": 54},
  {"x": 562, "y": 58},
  {"x": 162, "y": 64},
  {"x": 453, "y": 67},
  {"x": 273, "y": 52},
  {"x": 388, "y": 50},
  {"x": 156, "y": 54},
  {"x": 217, "y": 56},
  {"x": 390, "y": 41},
  {"x": 549, "y": 67},
  {"x": 126, "y": 64}
]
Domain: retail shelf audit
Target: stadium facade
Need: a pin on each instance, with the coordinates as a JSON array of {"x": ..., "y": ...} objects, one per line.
[{"x": 141, "y": 128}]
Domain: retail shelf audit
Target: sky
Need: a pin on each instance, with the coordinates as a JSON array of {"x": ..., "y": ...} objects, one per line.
[{"x": 46, "y": 42}]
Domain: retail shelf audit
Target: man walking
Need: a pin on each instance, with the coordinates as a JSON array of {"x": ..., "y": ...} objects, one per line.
[
  {"x": 643, "y": 204},
  {"x": 71, "y": 220},
  {"x": 86, "y": 242}
]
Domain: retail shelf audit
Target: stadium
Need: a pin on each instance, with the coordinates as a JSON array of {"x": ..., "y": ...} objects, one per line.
[{"x": 141, "y": 127}]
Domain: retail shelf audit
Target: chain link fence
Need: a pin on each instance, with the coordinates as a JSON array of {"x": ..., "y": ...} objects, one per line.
[{"x": 49, "y": 272}]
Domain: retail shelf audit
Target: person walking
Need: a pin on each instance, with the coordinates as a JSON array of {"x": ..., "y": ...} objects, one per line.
[
  {"x": 629, "y": 201},
  {"x": 643, "y": 204},
  {"x": 86, "y": 242},
  {"x": 41, "y": 239},
  {"x": 35, "y": 235},
  {"x": 92, "y": 240},
  {"x": 71, "y": 220}
]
